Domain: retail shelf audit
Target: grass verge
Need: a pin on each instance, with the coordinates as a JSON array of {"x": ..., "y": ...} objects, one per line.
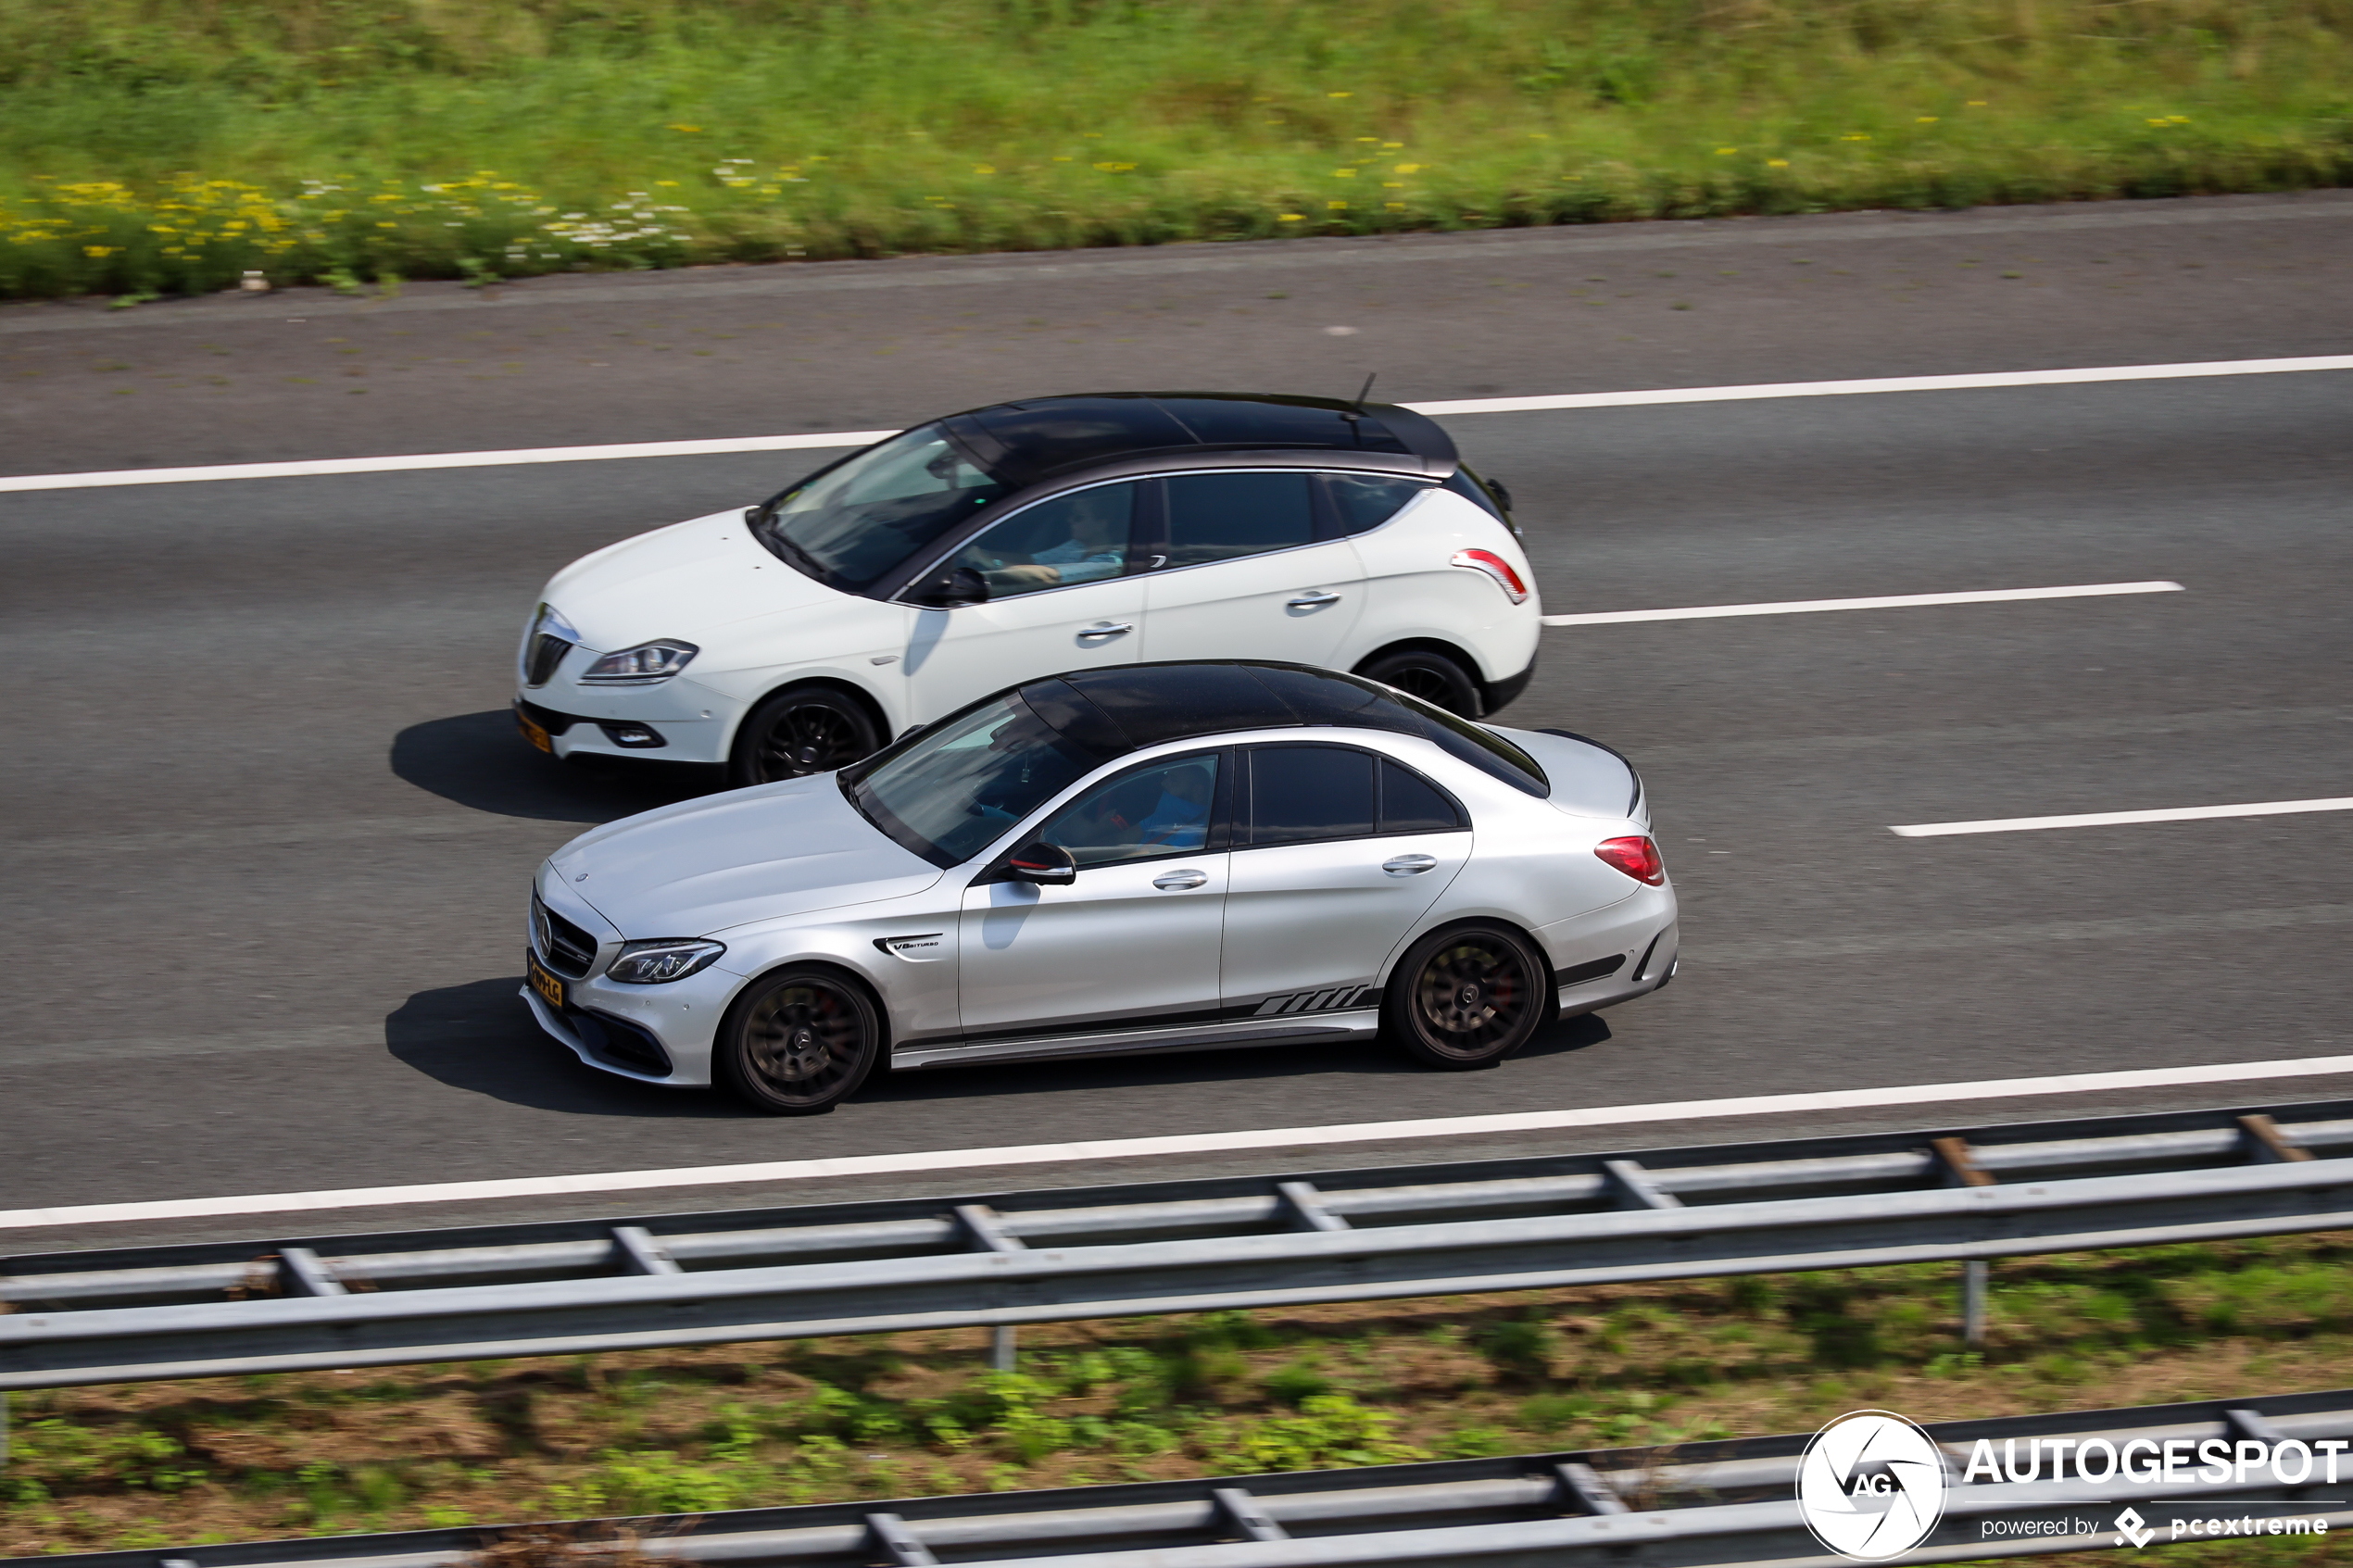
[
  {"x": 151, "y": 1466},
  {"x": 152, "y": 149}
]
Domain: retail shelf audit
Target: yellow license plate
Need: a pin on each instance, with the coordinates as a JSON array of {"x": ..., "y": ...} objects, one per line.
[
  {"x": 550, "y": 988},
  {"x": 535, "y": 733}
]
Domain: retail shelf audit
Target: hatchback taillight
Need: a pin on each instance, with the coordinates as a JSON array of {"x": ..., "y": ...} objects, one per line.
[
  {"x": 1637, "y": 857},
  {"x": 1497, "y": 568}
]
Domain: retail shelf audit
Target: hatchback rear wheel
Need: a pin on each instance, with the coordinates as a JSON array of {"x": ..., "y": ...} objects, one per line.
[
  {"x": 799, "y": 1041},
  {"x": 1429, "y": 674},
  {"x": 1466, "y": 998}
]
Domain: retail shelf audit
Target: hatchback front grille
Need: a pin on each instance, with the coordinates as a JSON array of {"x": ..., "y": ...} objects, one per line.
[
  {"x": 548, "y": 651},
  {"x": 563, "y": 947}
]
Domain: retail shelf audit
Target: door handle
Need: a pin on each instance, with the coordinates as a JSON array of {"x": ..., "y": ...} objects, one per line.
[
  {"x": 1179, "y": 881},
  {"x": 1108, "y": 629},
  {"x": 1313, "y": 598},
  {"x": 1409, "y": 865}
]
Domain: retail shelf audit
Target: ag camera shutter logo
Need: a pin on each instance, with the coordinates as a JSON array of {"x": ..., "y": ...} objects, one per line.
[{"x": 1871, "y": 1486}]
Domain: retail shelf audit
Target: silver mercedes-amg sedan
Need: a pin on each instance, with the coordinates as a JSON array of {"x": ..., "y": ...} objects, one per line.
[{"x": 1160, "y": 856}]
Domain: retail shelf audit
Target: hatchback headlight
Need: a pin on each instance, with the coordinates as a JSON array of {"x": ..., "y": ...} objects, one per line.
[
  {"x": 641, "y": 666},
  {"x": 662, "y": 959}
]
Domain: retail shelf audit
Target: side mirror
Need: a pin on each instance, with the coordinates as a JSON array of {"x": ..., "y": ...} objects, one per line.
[
  {"x": 1047, "y": 865},
  {"x": 946, "y": 590}
]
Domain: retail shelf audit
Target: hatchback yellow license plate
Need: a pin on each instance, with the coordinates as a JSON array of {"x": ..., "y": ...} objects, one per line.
[
  {"x": 549, "y": 987},
  {"x": 535, "y": 733}
]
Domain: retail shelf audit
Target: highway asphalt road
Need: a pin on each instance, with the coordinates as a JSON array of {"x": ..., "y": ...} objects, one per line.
[{"x": 269, "y": 831}]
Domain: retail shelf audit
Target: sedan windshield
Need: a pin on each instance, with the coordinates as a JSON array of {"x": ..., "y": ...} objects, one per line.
[
  {"x": 849, "y": 524},
  {"x": 951, "y": 791}
]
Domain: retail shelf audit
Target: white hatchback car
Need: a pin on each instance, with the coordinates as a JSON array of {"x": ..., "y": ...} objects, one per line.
[
  {"x": 1057, "y": 533},
  {"x": 1169, "y": 857}
]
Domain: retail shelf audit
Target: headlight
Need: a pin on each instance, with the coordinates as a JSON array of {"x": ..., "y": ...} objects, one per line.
[
  {"x": 664, "y": 959},
  {"x": 642, "y": 665}
]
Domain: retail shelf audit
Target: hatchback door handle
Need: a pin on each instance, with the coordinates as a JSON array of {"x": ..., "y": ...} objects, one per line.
[
  {"x": 1179, "y": 881},
  {"x": 1409, "y": 865},
  {"x": 1108, "y": 629},
  {"x": 1313, "y": 598}
]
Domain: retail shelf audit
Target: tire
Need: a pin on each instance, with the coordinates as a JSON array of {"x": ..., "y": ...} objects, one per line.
[
  {"x": 798, "y": 1042},
  {"x": 799, "y": 731},
  {"x": 1467, "y": 997},
  {"x": 1436, "y": 678}
]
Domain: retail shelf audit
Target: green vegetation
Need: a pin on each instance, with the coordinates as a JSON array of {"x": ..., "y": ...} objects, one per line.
[
  {"x": 1227, "y": 1393},
  {"x": 150, "y": 147}
]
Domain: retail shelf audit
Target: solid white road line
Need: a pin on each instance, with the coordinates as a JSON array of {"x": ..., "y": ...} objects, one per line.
[
  {"x": 446, "y": 460},
  {"x": 2112, "y": 819},
  {"x": 1463, "y": 406},
  {"x": 1886, "y": 383},
  {"x": 1884, "y": 601},
  {"x": 801, "y": 1171}
]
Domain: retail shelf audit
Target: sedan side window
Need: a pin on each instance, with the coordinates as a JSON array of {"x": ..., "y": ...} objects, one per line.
[
  {"x": 1081, "y": 537},
  {"x": 1215, "y": 517},
  {"x": 1162, "y": 810},
  {"x": 1410, "y": 803},
  {"x": 1365, "y": 501},
  {"x": 1299, "y": 794}
]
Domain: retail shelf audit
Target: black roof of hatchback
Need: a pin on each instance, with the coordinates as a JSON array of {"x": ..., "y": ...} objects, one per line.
[{"x": 1039, "y": 436}]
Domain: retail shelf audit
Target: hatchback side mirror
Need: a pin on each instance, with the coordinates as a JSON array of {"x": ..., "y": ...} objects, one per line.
[
  {"x": 946, "y": 590},
  {"x": 1048, "y": 865}
]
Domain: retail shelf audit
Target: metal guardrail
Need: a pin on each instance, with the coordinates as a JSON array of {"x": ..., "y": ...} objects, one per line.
[
  {"x": 1059, "y": 1254},
  {"x": 1701, "y": 1505}
]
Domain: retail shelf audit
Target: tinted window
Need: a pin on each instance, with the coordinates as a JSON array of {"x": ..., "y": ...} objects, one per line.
[
  {"x": 1081, "y": 537},
  {"x": 851, "y": 523},
  {"x": 1410, "y": 803},
  {"x": 1365, "y": 501},
  {"x": 1215, "y": 517},
  {"x": 1162, "y": 810},
  {"x": 1300, "y": 793},
  {"x": 954, "y": 788}
]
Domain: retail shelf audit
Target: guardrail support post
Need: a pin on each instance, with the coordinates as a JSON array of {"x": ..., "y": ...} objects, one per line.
[
  {"x": 1001, "y": 1348},
  {"x": 1975, "y": 1275}
]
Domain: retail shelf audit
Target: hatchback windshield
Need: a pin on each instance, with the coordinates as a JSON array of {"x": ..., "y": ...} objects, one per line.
[
  {"x": 850, "y": 524},
  {"x": 959, "y": 785}
]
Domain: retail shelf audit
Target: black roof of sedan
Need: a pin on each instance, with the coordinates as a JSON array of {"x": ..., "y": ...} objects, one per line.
[{"x": 1037, "y": 437}]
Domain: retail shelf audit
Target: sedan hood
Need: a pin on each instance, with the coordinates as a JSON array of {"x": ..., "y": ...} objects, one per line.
[
  {"x": 687, "y": 580},
  {"x": 698, "y": 868}
]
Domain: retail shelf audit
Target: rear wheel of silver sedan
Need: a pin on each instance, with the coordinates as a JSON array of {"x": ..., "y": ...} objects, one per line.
[
  {"x": 807, "y": 728},
  {"x": 1466, "y": 998},
  {"x": 798, "y": 1041}
]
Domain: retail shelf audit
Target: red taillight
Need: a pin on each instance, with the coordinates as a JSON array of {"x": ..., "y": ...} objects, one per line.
[
  {"x": 1638, "y": 857},
  {"x": 1496, "y": 567}
]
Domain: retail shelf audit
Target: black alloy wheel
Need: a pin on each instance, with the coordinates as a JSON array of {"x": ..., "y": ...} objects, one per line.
[
  {"x": 798, "y": 1042},
  {"x": 802, "y": 730},
  {"x": 1435, "y": 678},
  {"x": 1467, "y": 997}
]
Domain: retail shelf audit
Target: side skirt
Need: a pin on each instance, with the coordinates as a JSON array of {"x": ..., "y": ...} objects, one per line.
[{"x": 1359, "y": 1023}]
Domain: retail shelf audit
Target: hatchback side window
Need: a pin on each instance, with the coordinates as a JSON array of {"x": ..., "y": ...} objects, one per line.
[
  {"x": 1081, "y": 537},
  {"x": 1365, "y": 501},
  {"x": 1166, "y": 809},
  {"x": 1299, "y": 794},
  {"x": 1215, "y": 517}
]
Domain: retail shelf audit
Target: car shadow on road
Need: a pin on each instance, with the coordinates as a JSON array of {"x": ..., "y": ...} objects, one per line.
[
  {"x": 477, "y": 760},
  {"x": 480, "y": 1038}
]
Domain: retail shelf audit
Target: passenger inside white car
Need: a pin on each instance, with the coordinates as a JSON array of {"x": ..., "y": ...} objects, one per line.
[{"x": 1080, "y": 538}]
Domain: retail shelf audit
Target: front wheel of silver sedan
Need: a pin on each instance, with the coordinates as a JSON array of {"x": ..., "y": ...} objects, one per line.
[
  {"x": 1466, "y": 998},
  {"x": 798, "y": 1042}
]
